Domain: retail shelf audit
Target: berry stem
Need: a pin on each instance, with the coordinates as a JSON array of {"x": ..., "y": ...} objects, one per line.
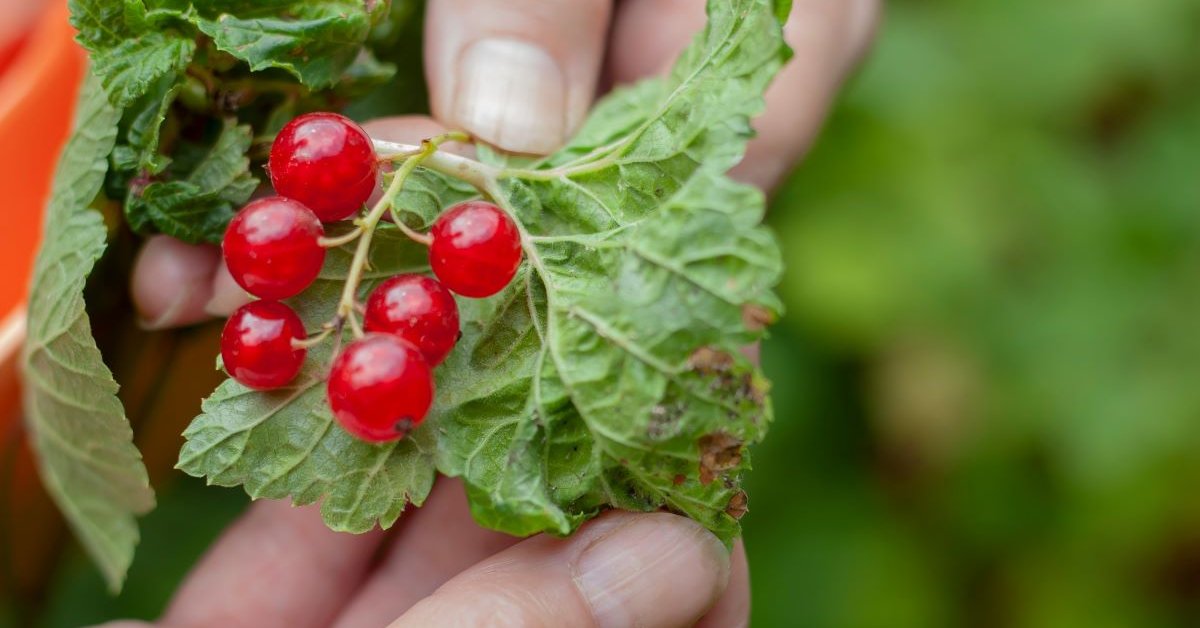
[
  {"x": 419, "y": 238},
  {"x": 342, "y": 240},
  {"x": 347, "y": 306},
  {"x": 478, "y": 174},
  {"x": 314, "y": 339}
]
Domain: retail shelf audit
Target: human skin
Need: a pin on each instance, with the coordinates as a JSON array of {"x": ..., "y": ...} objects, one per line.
[{"x": 279, "y": 565}]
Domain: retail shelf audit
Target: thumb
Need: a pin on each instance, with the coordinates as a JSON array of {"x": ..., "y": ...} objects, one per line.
[{"x": 652, "y": 570}]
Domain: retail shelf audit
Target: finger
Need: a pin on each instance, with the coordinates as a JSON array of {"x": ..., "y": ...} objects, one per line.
[
  {"x": 828, "y": 36},
  {"x": 172, "y": 282},
  {"x": 733, "y": 609},
  {"x": 520, "y": 74},
  {"x": 277, "y": 566},
  {"x": 227, "y": 295},
  {"x": 436, "y": 543},
  {"x": 623, "y": 569}
]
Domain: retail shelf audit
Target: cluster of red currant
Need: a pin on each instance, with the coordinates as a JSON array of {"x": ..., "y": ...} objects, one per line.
[{"x": 324, "y": 169}]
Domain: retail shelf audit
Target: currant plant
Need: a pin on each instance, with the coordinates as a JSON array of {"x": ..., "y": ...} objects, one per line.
[{"x": 603, "y": 292}]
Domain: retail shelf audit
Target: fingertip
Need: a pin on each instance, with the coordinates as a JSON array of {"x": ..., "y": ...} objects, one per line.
[
  {"x": 172, "y": 282},
  {"x": 518, "y": 74},
  {"x": 227, "y": 295},
  {"x": 626, "y": 573},
  {"x": 732, "y": 610},
  {"x": 616, "y": 571}
]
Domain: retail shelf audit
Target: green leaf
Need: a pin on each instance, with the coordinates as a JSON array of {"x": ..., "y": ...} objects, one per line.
[
  {"x": 198, "y": 208},
  {"x": 630, "y": 378},
  {"x": 316, "y": 42},
  {"x": 142, "y": 124},
  {"x": 613, "y": 369},
  {"x": 130, "y": 68},
  {"x": 78, "y": 428},
  {"x": 286, "y": 444},
  {"x": 609, "y": 373}
]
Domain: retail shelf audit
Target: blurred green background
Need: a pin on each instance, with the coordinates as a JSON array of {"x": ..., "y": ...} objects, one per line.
[{"x": 988, "y": 381}]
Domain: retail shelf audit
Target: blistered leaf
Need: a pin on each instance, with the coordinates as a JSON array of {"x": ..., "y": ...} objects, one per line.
[{"x": 609, "y": 373}]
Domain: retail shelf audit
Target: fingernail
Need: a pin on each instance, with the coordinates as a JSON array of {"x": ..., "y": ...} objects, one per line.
[
  {"x": 628, "y": 573},
  {"x": 511, "y": 94}
]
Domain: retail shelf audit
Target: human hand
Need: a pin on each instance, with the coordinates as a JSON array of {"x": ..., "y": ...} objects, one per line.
[
  {"x": 521, "y": 75},
  {"x": 280, "y": 566}
]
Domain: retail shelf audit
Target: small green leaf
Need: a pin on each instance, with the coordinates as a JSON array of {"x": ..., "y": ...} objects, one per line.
[
  {"x": 198, "y": 208},
  {"x": 285, "y": 444},
  {"x": 142, "y": 124},
  {"x": 316, "y": 42},
  {"x": 130, "y": 68},
  {"x": 78, "y": 428}
]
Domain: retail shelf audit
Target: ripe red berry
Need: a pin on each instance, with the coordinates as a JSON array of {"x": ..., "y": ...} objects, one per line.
[
  {"x": 325, "y": 161},
  {"x": 380, "y": 388},
  {"x": 256, "y": 345},
  {"x": 476, "y": 249},
  {"x": 418, "y": 309},
  {"x": 272, "y": 248}
]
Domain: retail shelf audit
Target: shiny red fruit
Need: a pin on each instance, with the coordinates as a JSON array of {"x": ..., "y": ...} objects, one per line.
[
  {"x": 273, "y": 249},
  {"x": 418, "y": 309},
  {"x": 476, "y": 249},
  {"x": 325, "y": 161},
  {"x": 380, "y": 388},
  {"x": 256, "y": 345}
]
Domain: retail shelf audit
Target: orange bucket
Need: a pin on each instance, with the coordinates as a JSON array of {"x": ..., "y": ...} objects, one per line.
[
  {"x": 37, "y": 99},
  {"x": 38, "y": 86}
]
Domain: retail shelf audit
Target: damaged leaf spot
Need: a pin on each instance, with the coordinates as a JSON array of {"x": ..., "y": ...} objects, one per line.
[
  {"x": 709, "y": 361},
  {"x": 756, "y": 317},
  {"x": 719, "y": 452},
  {"x": 738, "y": 505}
]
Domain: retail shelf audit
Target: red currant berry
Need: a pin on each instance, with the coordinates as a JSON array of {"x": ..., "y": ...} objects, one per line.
[
  {"x": 325, "y": 161},
  {"x": 380, "y": 388},
  {"x": 418, "y": 309},
  {"x": 256, "y": 345},
  {"x": 476, "y": 249},
  {"x": 273, "y": 248}
]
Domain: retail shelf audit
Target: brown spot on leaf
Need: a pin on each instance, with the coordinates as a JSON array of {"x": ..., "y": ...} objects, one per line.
[
  {"x": 709, "y": 361},
  {"x": 756, "y": 317},
  {"x": 719, "y": 452},
  {"x": 737, "y": 507},
  {"x": 679, "y": 480}
]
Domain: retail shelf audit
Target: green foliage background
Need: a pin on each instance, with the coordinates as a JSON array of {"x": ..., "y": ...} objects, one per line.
[{"x": 986, "y": 384}]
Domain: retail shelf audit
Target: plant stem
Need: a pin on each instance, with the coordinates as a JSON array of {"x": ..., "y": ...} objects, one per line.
[
  {"x": 342, "y": 240},
  {"x": 313, "y": 340},
  {"x": 419, "y": 238},
  {"x": 477, "y": 174},
  {"x": 347, "y": 305}
]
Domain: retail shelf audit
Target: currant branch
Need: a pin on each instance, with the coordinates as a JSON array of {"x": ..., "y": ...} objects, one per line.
[
  {"x": 366, "y": 226},
  {"x": 276, "y": 247}
]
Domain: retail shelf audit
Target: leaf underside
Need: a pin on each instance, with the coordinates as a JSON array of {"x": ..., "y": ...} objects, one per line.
[
  {"x": 78, "y": 427},
  {"x": 609, "y": 373}
]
